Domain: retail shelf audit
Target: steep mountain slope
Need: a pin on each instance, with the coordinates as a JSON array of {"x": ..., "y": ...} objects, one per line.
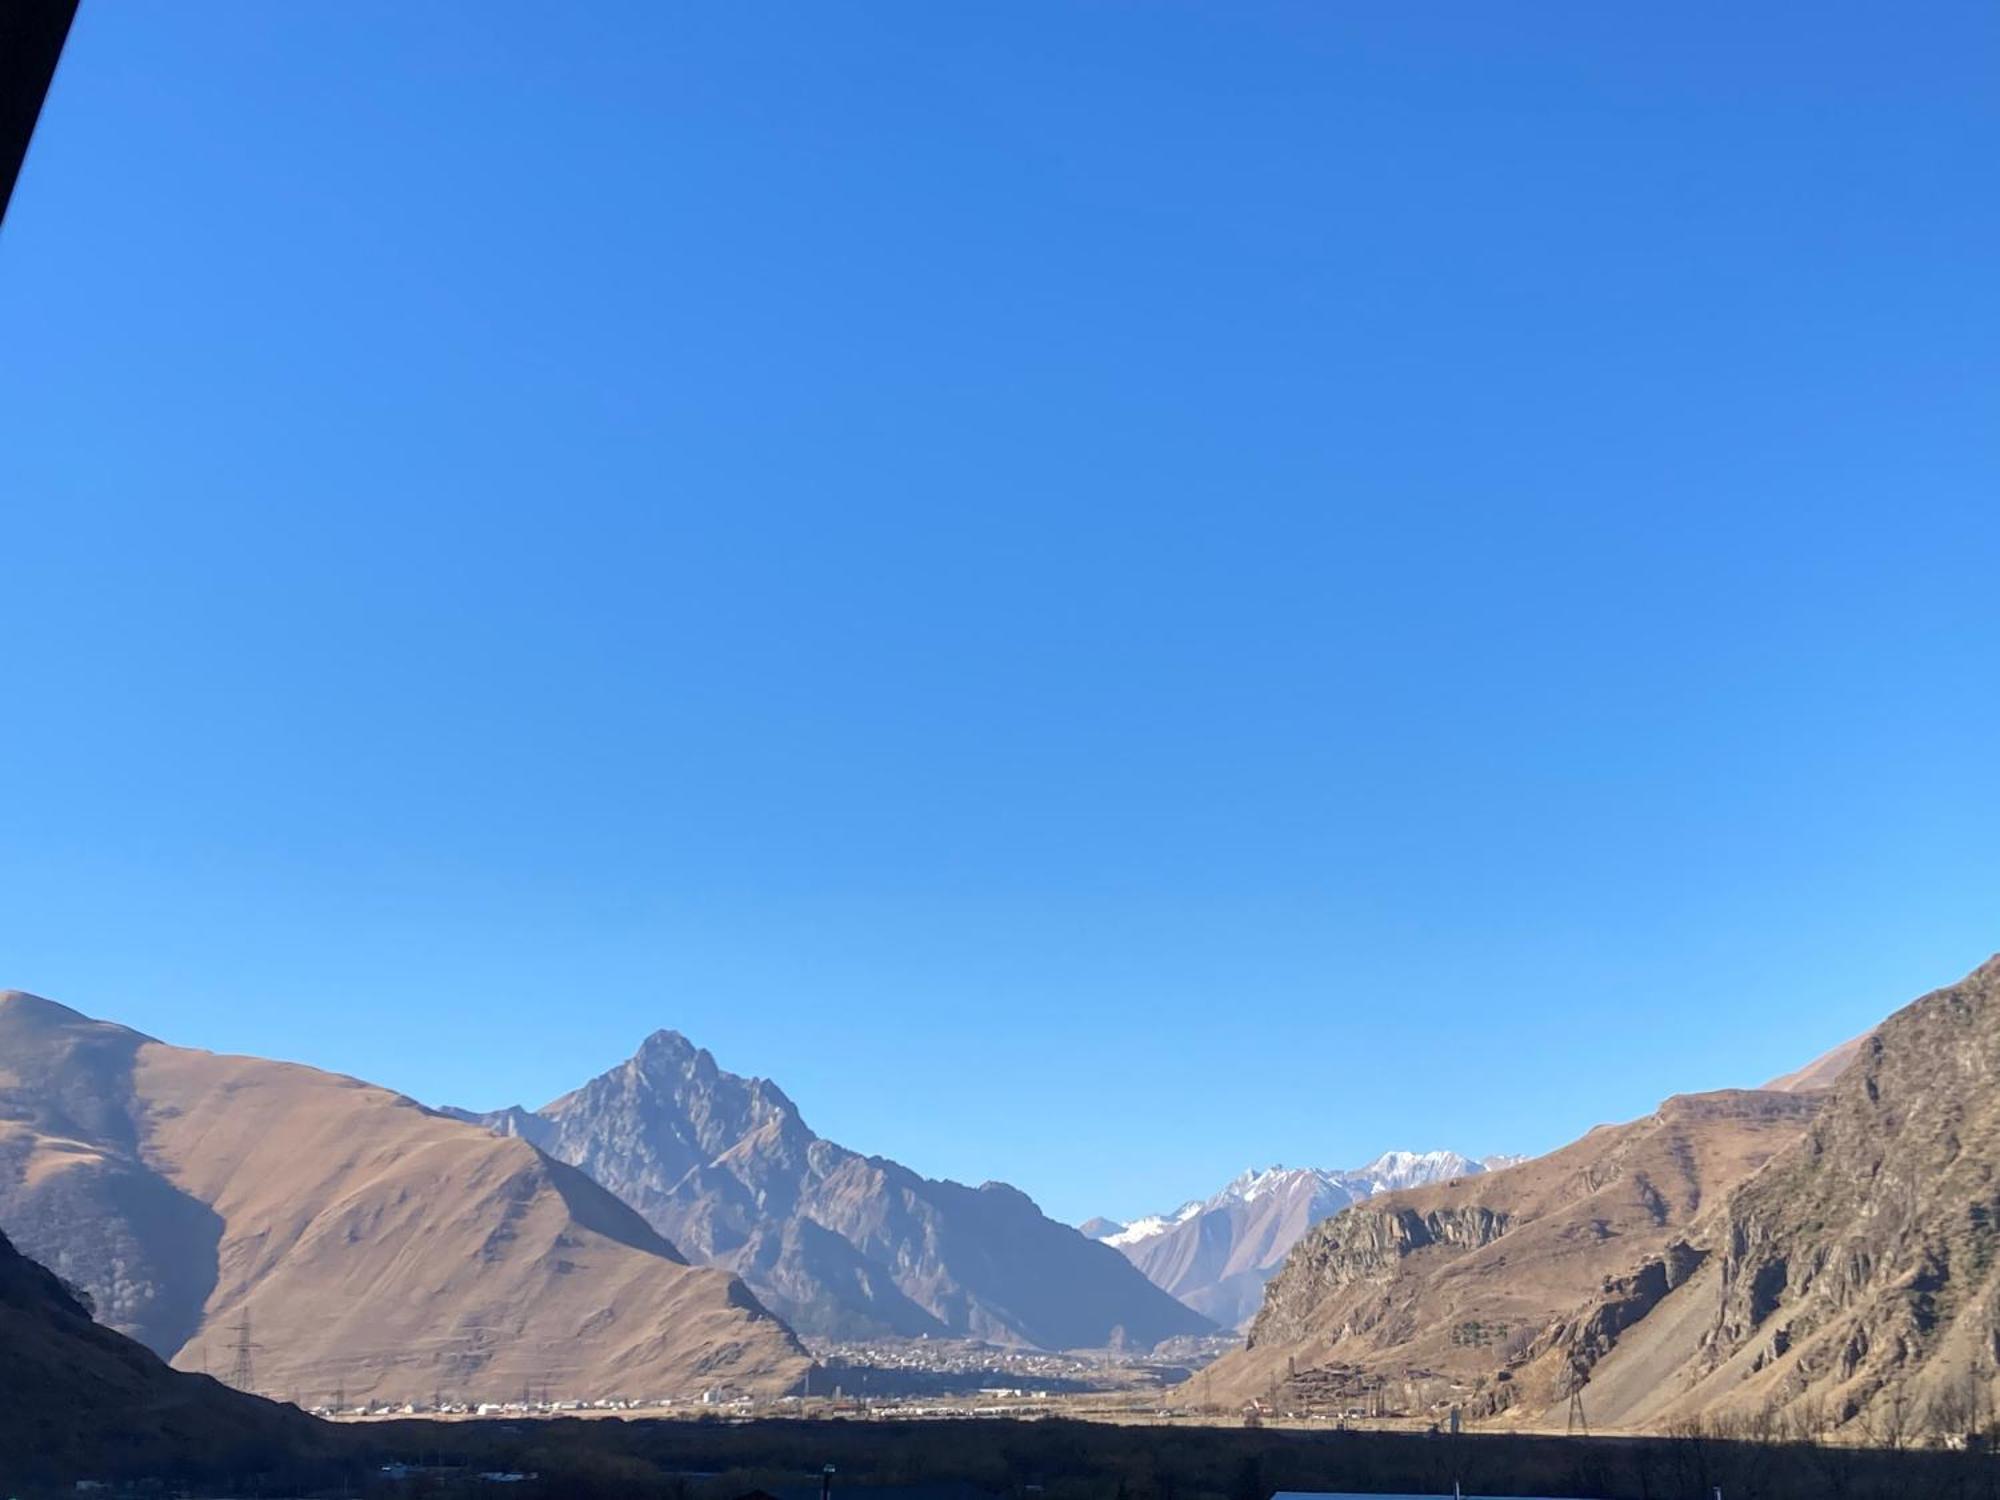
[
  {"x": 1823, "y": 1257},
  {"x": 1822, "y": 1072},
  {"x": 1215, "y": 1255},
  {"x": 841, "y": 1244},
  {"x": 372, "y": 1245},
  {"x": 82, "y": 1401},
  {"x": 1460, "y": 1291},
  {"x": 1856, "y": 1279}
]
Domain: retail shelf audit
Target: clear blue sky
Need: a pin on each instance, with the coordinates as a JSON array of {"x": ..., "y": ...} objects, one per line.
[{"x": 1106, "y": 591}]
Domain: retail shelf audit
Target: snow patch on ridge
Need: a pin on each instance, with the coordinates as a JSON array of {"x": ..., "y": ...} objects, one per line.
[
  {"x": 1154, "y": 1224},
  {"x": 1330, "y": 1190}
]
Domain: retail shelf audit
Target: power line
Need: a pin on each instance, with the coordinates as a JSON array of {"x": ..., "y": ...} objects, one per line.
[
  {"x": 242, "y": 1374},
  {"x": 1577, "y": 1421}
]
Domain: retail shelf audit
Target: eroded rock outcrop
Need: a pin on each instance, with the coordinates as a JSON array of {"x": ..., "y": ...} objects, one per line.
[
  {"x": 1364, "y": 1244},
  {"x": 1497, "y": 1292},
  {"x": 1780, "y": 1261},
  {"x": 1860, "y": 1272}
]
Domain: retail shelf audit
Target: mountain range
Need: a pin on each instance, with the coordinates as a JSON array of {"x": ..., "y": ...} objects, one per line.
[
  {"x": 840, "y": 1244},
  {"x": 1823, "y": 1254},
  {"x": 357, "y": 1241},
  {"x": 1215, "y": 1254}
]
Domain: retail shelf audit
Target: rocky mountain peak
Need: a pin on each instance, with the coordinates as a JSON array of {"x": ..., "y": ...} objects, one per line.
[
  {"x": 668, "y": 1056},
  {"x": 842, "y": 1244},
  {"x": 694, "y": 1079},
  {"x": 1251, "y": 1182},
  {"x": 667, "y": 1044},
  {"x": 1400, "y": 1169}
]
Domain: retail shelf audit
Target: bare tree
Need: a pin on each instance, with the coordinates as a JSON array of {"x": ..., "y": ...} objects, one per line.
[
  {"x": 1948, "y": 1417},
  {"x": 1887, "y": 1423},
  {"x": 1810, "y": 1418}
]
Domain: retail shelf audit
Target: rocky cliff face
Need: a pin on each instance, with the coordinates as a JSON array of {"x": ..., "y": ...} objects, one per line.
[
  {"x": 841, "y": 1244},
  {"x": 1216, "y": 1255},
  {"x": 1368, "y": 1244},
  {"x": 1856, "y": 1280},
  {"x": 1823, "y": 1257},
  {"x": 1482, "y": 1292}
]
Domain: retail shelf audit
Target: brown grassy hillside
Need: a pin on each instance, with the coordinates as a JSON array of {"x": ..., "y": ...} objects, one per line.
[
  {"x": 375, "y": 1247},
  {"x": 1855, "y": 1282},
  {"x": 1461, "y": 1293},
  {"x": 1821, "y": 1258}
]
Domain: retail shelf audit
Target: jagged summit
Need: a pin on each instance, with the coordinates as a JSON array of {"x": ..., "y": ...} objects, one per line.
[
  {"x": 666, "y": 1042},
  {"x": 1397, "y": 1169},
  {"x": 839, "y": 1243},
  {"x": 668, "y": 1053},
  {"x": 1247, "y": 1185}
]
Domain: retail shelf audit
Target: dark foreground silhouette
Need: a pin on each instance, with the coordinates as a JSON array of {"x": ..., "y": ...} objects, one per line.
[
  {"x": 32, "y": 33},
  {"x": 1052, "y": 1460}
]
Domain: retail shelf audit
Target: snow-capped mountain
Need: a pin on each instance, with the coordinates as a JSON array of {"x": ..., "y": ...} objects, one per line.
[
  {"x": 1216, "y": 1253},
  {"x": 1139, "y": 1230}
]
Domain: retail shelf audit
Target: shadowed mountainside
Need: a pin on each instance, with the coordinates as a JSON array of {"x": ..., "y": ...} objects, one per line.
[{"x": 83, "y": 1399}]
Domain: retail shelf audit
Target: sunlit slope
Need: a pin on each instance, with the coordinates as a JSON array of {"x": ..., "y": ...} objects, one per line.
[
  {"x": 378, "y": 1249},
  {"x": 1463, "y": 1293},
  {"x": 1856, "y": 1280},
  {"x": 1821, "y": 1255}
]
